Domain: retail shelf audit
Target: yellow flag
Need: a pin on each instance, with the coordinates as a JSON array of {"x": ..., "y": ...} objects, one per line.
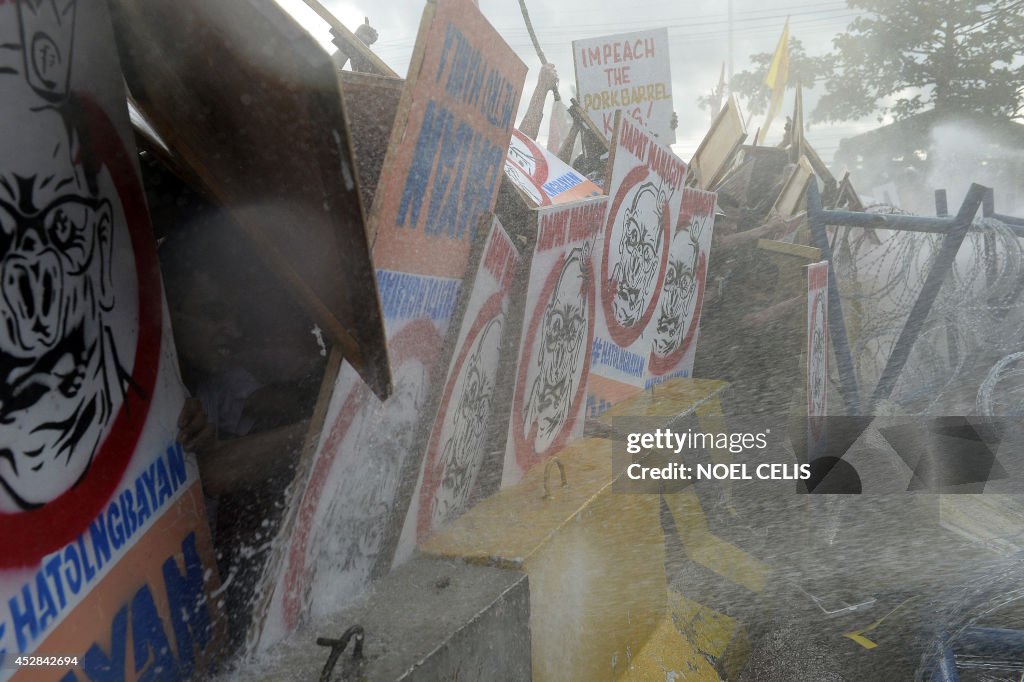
[{"x": 776, "y": 79}]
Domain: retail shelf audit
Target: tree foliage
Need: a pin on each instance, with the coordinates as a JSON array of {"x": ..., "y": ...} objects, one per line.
[
  {"x": 908, "y": 56},
  {"x": 904, "y": 57},
  {"x": 750, "y": 84}
]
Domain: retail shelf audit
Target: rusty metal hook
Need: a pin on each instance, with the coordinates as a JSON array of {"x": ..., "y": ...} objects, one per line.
[
  {"x": 547, "y": 474},
  {"x": 338, "y": 648}
]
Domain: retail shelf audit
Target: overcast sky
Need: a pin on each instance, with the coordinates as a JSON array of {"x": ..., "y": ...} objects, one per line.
[{"x": 698, "y": 41}]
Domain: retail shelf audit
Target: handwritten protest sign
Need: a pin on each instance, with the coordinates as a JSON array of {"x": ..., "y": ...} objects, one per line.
[{"x": 627, "y": 72}]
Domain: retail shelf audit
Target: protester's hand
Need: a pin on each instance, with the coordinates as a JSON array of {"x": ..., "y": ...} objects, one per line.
[
  {"x": 366, "y": 33},
  {"x": 548, "y": 78},
  {"x": 195, "y": 433}
]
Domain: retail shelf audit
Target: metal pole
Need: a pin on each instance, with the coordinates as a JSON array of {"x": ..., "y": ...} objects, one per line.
[
  {"x": 730, "y": 45},
  {"x": 941, "y": 207},
  {"x": 922, "y": 306},
  {"x": 945, "y": 666},
  {"x": 988, "y": 209},
  {"x": 836, "y": 323}
]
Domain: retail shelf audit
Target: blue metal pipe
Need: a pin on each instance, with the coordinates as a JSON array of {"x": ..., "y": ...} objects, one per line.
[
  {"x": 945, "y": 666},
  {"x": 987, "y": 642},
  {"x": 836, "y": 322}
]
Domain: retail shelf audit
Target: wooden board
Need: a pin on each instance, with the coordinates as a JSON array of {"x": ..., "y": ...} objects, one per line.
[
  {"x": 352, "y": 42},
  {"x": 250, "y": 104},
  {"x": 720, "y": 146},
  {"x": 792, "y": 199},
  {"x": 371, "y": 103}
]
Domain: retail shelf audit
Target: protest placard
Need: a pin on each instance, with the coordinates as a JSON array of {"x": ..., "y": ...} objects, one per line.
[
  {"x": 458, "y": 439},
  {"x": 817, "y": 339},
  {"x": 542, "y": 177},
  {"x": 676, "y": 324},
  {"x": 443, "y": 165},
  {"x": 104, "y": 532},
  {"x": 645, "y": 192},
  {"x": 558, "y": 331},
  {"x": 627, "y": 72}
]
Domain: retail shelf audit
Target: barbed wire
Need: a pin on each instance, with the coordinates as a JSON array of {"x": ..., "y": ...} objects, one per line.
[{"x": 969, "y": 356}]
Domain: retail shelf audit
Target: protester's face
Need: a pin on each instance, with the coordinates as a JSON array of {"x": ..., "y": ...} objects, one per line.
[
  {"x": 676, "y": 302},
  {"x": 639, "y": 247},
  {"x": 206, "y": 327},
  {"x": 55, "y": 282}
]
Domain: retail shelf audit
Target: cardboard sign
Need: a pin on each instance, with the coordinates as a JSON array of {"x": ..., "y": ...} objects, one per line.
[
  {"x": 468, "y": 407},
  {"x": 675, "y": 327},
  {"x": 444, "y": 162},
  {"x": 817, "y": 339},
  {"x": 448, "y": 144},
  {"x": 720, "y": 146},
  {"x": 793, "y": 197},
  {"x": 643, "y": 207},
  {"x": 98, "y": 503},
  {"x": 554, "y": 356},
  {"x": 628, "y": 72},
  {"x": 543, "y": 177}
]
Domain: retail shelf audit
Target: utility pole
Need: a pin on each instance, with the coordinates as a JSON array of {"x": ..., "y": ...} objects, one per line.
[{"x": 730, "y": 46}]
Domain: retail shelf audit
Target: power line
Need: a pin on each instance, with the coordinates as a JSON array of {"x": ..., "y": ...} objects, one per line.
[
  {"x": 764, "y": 21},
  {"x": 517, "y": 42},
  {"x": 520, "y": 44}
]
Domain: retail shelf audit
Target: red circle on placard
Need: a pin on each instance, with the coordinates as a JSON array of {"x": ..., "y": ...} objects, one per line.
[
  {"x": 31, "y": 535},
  {"x": 525, "y": 455},
  {"x": 660, "y": 365},
  {"x": 625, "y": 336},
  {"x": 542, "y": 167},
  {"x": 433, "y": 472},
  {"x": 418, "y": 340},
  {"x": 545, "y": 200}
]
